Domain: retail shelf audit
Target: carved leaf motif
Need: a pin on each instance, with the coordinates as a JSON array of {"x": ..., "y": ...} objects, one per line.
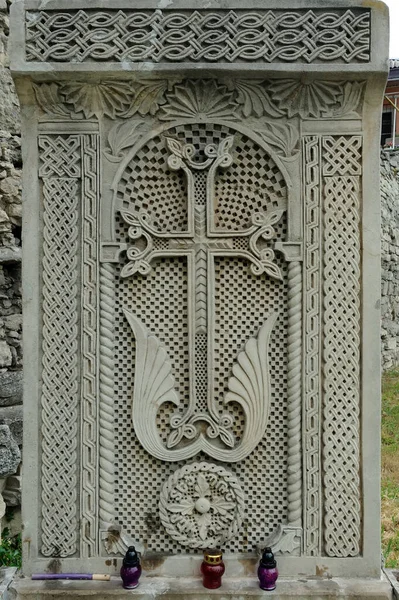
[
  {"x": 283, "y": 137},
  {"x": 351, "y": 97},
  {"x": 174, "y": 437},
  {"x": 174, "y": 146},
  {"x": 122, "y": 136},
  {"x": 204, "y": 521},
  {"x": 148, "y": 96},
  {"x": 202, "y": 487},
  {"x": 49, "y": 100},
  {"x": 107, "y": 98},
  {"x": 184, "y": 507},
  {"x": 304, "y": 99},
  {"x": 255, "y": 99},
  {"x": 221, "y": 506},
  {"x": 249, "y": 385},
  {"x": 199, "y": 99},
  {"x": 227, "y": 438}
]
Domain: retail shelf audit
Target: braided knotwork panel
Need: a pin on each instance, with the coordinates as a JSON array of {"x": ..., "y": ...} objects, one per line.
[
  {"x": 69, "y": 171},
  {"x": 60, "y": 387},
  {"x": 202, "y": 35},
  {"x": 341, "y": 428}
]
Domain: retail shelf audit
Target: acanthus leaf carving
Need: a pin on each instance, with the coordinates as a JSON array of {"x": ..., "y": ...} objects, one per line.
[
  {"x": 202, "y": 99},
  {"x": 122, "y": 136},
  {"x": 255, "y": 99},
  {"x": 109, "y": 98},
  {"x": 283, "y": 137},
  {"x": 199, "y": 98},
  {"x": 48, "y": 98},
  {"x": 352, "y": 93},
  {"x": 285, "y": 540},
  {"x": 305, "y": 99},
  {"x": 149, "y": 95}
]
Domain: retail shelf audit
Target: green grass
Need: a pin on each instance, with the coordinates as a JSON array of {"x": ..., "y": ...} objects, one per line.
[
  {"x": 390, "y": 469},
  {"x": 10, "y": 550}
]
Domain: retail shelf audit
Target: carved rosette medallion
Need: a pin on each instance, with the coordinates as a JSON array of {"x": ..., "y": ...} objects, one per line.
[{"x": 201, "y": 505}]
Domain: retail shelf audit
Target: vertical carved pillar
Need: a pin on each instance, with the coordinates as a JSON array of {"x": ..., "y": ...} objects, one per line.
[
  {"x": 107, "y": 307},
  {"x": 60, "y": 171},
  {"x": 312, "y": 348},
  {"x": 89, "y": 211},
  {"x": 341, "y": 435},
  {"x": 294, "y": 393}
]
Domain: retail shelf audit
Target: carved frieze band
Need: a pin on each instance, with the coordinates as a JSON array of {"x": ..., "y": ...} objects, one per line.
[
  {"x": 312, "y": 349},
  {"x": 341, "y": 158},
  {"x": 233, "y": 100},
  {"x": 198, "y": 36},
  {"x": 69, "y": 171}
]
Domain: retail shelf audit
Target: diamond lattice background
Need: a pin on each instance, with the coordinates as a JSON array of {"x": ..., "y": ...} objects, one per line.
[{"x": 242, "y": 302}]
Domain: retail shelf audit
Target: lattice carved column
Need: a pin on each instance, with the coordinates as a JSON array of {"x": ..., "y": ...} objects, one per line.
[
  {"x": 312, "y": 345},
  {"x": 69, "y": 172},
  {"x": 342, "y": 169}
]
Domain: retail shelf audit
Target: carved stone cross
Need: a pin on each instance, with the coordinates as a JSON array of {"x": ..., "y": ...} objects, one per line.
[{"x": 201, "y": 424}]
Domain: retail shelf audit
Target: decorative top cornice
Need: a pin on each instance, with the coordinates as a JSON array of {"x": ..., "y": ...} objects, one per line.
[{"x": 208, "y": 36}]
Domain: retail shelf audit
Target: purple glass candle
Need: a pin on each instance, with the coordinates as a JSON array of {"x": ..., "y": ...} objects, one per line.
[
  {"x": 131, "y": 569},
  {"x": 267, "y": 571}
]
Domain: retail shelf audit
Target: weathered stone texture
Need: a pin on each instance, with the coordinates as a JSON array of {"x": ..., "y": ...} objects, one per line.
[
  {"x": 390, "y": 258},
  {"x": 10, "y": 259}
]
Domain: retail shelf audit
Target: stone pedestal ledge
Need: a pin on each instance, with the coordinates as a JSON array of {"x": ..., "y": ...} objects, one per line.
[
  {"x": 393, "y": 577},
  {"x": 192, "y": 589}
]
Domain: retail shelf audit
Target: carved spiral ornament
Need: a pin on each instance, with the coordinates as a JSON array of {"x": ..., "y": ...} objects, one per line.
[{"x": 201, "y": 505}]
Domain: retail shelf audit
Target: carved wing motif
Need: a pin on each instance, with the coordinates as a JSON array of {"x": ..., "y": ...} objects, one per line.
[
  {"x": 250, "y": 387},
  {"x": 154, "y": 384}
]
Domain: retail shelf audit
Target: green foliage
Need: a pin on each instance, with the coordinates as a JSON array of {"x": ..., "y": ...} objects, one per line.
[
  {"x": 10, "y": 550},
  {"x": 390, "y": 469}
]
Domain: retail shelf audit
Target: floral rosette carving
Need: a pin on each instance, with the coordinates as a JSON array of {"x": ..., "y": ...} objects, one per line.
[{"x": 201, "y": 505}]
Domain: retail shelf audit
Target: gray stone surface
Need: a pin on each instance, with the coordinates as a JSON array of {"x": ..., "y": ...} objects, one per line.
[
  {"x": 192, "y": 589},
  {"x": 200, "y": 233},
  {"x": 10, "y": 251},
  {"x": 393, "y": 577},
  {"x": 10, "y": 455},
  {"x": 12, "y": 495},
  {"x": 11, "y": 387},
  {"x": 390, "y": 258},
  {"x": 12, "y": 416},
  {"x": 7, "y": 575}
]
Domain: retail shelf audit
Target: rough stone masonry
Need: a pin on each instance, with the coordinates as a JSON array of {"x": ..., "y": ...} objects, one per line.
[{"x": 201, "y": 287}]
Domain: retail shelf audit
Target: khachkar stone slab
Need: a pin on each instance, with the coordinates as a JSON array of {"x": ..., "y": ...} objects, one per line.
[{"x": 201, "y": 283}]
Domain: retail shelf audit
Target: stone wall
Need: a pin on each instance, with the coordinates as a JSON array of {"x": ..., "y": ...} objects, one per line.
[
  {"x": 390, "y": 258},
  {"x": 10, "y": 276}
]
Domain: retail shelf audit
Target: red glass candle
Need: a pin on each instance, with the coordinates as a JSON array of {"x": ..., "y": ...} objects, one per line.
[{"x": 212, "y": 568}]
